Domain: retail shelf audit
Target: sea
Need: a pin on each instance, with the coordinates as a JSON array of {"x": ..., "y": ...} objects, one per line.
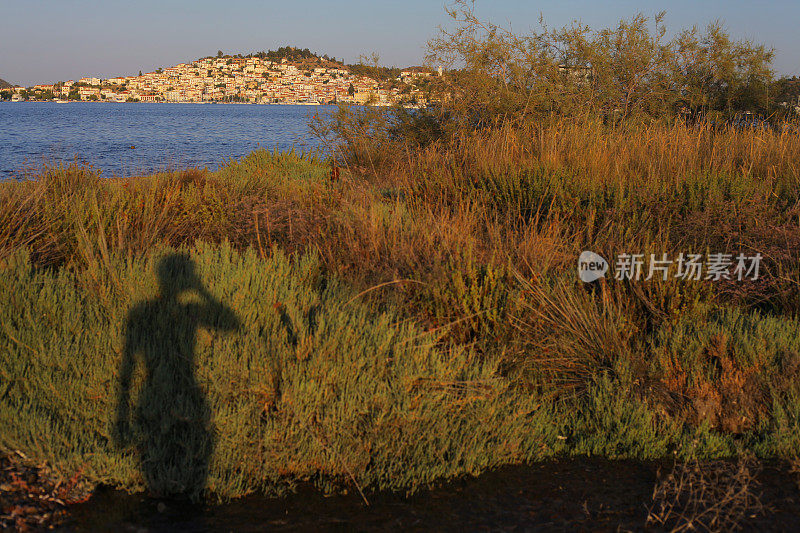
[{"x": 132, "y": 139}]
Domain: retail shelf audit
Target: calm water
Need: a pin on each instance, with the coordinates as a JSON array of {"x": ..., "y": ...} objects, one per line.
[{"x": 137, "y": 138}]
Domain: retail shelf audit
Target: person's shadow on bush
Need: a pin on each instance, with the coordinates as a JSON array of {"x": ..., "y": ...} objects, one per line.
[{"x": 171, "y": 424}]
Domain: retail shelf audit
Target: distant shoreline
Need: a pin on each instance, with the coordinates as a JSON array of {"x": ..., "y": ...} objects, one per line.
[
  {"x": 203, "y": 103},
  {"x": 296, "y": 104}
]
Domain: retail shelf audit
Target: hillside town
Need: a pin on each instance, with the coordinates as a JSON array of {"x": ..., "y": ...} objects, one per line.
[{"x": 252, "y": 79}]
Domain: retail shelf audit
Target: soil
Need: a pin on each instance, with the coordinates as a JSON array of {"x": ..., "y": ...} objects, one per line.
[
  {"x": 578, "y": 494},
  {"x": 32, "y": 498}
]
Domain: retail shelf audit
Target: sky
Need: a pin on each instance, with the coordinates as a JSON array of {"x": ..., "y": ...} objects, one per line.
[{"x": 44, "y": 41}]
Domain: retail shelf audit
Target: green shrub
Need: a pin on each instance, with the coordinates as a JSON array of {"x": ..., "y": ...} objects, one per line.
[
  {"x": 245, "y": 375},
  {"x": 215, "y": 371},
  {"x": 736, "y": 370}
]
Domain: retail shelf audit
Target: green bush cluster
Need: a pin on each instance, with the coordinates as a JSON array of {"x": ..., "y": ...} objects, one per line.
[
  {"x": 213, "y": 371},
  {"x": 310, "y": 384}
]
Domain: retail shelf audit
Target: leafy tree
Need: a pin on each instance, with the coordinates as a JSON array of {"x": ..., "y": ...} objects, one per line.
[
  {"x": 786, "y": 91},
  {"x": 716, "y": 73},
  {"x": 290, "y": 53},
  {"x": 630, "y": 70},
  {"x": 369, "y": 66}
]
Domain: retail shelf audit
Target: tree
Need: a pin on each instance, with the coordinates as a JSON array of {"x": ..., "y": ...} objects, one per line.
[
  {"x": 716, "y": 73},
  {"x": 140, "y": 73},
  {"x": 786, "y": 91},
  {"x": 630, "y": 70},
  {"x": 219, "y": 53},
  {"x": 290, "y": 53},
  {"x": 351, "y": 90}
]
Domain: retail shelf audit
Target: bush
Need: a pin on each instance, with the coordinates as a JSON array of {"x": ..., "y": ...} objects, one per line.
[
  {"x": 733, "y": 371},
  {"x": 214, "y": 369}
]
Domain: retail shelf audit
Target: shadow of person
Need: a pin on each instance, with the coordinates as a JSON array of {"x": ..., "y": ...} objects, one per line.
[{"x": 170, "y": 425}]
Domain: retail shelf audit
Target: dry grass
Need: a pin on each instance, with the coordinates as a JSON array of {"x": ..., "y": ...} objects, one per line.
[
  {"x": 476, "y": 239},
  {"x": 710, "y": 496}
]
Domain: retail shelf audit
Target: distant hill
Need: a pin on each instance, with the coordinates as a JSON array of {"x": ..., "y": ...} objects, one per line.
[
  {"x": 4, "y": 84},
  {"x": 289, "y": 53}
]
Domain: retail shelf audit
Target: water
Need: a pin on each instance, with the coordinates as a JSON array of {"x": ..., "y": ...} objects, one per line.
[{"x": 138, "y": 138}]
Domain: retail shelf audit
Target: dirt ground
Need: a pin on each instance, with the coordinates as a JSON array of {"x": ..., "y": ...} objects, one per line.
[
  {"x": 30, "y": 497},
  {"x": 572, "y": 495}
]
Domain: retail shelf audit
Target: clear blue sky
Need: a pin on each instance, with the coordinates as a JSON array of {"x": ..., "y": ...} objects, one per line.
[{"x": 51, "y": 40}]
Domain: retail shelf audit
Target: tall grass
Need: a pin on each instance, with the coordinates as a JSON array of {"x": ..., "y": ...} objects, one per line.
[
  {"x": 437, "y": 326},
  {"x": 310, "y": 385},
  {"x": 305, "y": 382}
]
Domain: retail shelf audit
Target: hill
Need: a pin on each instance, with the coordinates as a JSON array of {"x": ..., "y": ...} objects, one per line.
[
  {"x": 4, "y": 84},
  {"x": 291, "y": 54}
]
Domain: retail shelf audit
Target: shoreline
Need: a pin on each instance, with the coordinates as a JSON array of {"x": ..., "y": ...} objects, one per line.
[
  {"x": 203, "y": 103},
  {"x": 295, "y": 104},
  {"x": 288, "y": 104}
]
